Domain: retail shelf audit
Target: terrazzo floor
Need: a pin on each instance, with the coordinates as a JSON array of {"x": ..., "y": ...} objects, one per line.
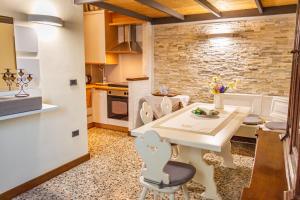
[{"x": 114, "y": 169}]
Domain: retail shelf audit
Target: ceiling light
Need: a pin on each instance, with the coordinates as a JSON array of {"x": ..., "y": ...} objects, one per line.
[{"x": 46, "y": 19}]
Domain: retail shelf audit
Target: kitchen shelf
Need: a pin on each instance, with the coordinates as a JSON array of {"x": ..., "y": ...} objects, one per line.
[{"x": 45, "y": 108}]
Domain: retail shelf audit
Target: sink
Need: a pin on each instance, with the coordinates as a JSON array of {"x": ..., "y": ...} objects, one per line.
[{"x": 12, "y": 105}]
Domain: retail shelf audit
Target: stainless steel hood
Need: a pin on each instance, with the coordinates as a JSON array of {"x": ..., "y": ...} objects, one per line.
[{"x": 129, "y": 44}]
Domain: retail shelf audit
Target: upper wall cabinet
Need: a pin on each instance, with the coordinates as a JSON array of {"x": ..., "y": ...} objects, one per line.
[
  {"x": 99, "y": 38},
  {"x": 117, "y": 19}
]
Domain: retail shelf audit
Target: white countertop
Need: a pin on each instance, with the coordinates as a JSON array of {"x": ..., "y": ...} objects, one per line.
[{"x": 45, "y": 108}]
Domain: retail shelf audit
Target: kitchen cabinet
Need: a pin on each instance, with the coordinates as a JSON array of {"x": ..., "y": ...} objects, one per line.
[
  {"x": 99, "y": 37},
  {"x": 89, "y": 105},
  {"x": 88, "y": 98},
  {"x": 118, "y": 19},
  {"x": 100, "y": 106}
]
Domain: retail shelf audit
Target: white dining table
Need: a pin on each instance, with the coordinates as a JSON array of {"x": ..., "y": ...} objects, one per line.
[{"x": 196, "y": 135}]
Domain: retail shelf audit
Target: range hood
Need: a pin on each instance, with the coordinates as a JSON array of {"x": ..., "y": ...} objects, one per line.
[{"x": 129, "y": 44}]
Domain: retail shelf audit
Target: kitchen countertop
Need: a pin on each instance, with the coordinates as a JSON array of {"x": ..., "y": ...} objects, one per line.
[
  {"x": 105, "y": 87},
  {"x": 139, "y": 78}
]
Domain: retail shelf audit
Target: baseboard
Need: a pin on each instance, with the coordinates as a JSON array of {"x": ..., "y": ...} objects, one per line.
[
  {"x": 43, "y": 178},
  {"x": 243, "y": 139},
  {"x": 112, "y": 127},
  {"x": 91, "y": 125}
]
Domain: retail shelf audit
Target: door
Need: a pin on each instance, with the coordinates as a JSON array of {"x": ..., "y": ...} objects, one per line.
[{"x": 292, "y": 132}]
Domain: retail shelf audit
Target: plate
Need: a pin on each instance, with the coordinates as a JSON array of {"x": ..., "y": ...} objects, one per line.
[{"x": 205, "y": 113}]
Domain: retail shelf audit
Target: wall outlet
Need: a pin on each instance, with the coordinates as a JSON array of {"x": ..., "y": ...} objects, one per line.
[
  {"x": 75, "y": 133},
  {"x": 73, "y": 82}
]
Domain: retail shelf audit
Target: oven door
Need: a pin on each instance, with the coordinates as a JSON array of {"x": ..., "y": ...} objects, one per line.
[{"x": 117, "y": 107}]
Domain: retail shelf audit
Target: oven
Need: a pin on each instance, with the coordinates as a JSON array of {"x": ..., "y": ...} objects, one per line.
[{"x": 117, "y": 105}]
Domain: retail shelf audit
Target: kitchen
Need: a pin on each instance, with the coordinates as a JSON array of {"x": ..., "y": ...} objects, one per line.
[
  {"x": 226, "y": 82},
  {"x": 115, "y": 64}
]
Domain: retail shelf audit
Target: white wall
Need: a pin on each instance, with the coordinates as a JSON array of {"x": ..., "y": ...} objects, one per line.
[
  {"x": 33, "y": 145},
  {"x": 130, "y": 65}
]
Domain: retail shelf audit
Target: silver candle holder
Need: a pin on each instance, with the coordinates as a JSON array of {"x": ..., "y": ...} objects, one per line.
[
  {"x": 21, "y": 79},
  {"x": 22, "y": 82},
  {"x": 9, "y": 78}
]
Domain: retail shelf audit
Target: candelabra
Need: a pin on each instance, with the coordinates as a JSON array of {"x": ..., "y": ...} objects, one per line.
[
  {"x": 21, "y": 78},
  {"x": 9, "y": 78},
  {"x": 22, "y": 81}
]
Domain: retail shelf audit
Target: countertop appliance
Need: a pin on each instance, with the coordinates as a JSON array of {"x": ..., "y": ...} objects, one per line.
[{"x": 88, "y": 79}]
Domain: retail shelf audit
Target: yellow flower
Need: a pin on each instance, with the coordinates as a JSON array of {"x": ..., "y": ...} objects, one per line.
[
  {"x": 231, "y": 85},
  {"x": 215, "y": 79},
  {"x": 214, "y": 91},
  {"x": 211, "y": 85}
]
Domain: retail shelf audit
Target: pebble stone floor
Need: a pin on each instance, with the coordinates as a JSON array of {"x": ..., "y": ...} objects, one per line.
[{"x": 112, "y": 173}]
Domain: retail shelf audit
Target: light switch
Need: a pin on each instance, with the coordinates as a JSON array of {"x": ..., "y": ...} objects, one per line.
[
  {"x": 75, "y": 133},
  {"x": 73, "y": 82}
]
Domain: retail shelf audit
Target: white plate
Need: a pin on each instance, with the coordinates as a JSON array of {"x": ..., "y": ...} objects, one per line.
[{"x": 206, "y": 116}]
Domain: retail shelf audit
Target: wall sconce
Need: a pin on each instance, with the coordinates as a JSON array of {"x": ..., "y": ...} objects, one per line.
[{"x": 46, "y": 19}]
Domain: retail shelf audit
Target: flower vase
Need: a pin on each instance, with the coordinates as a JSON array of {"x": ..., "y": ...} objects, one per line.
[{"x": 218, "y": 101}]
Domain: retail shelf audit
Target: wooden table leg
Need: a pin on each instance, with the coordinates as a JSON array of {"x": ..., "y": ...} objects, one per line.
[
  {"x": 204, "y": 174},
  {"x": 227, "y": 156}
]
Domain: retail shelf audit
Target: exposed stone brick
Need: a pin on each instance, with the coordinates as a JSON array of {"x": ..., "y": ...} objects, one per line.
[{"x": 188, "y": 55}]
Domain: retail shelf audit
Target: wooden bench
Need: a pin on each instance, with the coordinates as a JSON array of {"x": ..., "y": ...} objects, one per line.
[{"x": 268, "y": 178}]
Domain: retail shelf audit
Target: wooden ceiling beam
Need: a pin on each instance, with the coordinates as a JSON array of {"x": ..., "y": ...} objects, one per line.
[
  {"x": 119, "y": 10},
  {"x": 210, "y": 7},
  {"x": 162, "y": 8},
  {"x": 259, "y": 6},
  {"x": 276, "y": 10}
]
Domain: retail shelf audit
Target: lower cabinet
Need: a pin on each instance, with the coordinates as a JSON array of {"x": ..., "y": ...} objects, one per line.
[
  {"x": 88, "y": 98},
  {"x": 100, "y": 110},
  {"x": 89, "y": 105},
  {"x": 100, "y": 106}
]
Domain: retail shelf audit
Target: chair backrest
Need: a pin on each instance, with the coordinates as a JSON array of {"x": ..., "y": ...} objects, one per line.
[
  {"x": 146, "y": 113},
  {"x": 155, "y": 153},
  {"x": 166, "y": 105},
  {"x": 279, "y": 108}
]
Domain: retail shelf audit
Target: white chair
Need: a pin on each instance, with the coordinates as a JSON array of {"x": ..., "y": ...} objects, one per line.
[
  {"x": 166, "y": 105},
  {"x": 278, "y": 115},
  {"x": 146, "y": 113},
  {"x": 166, "y": 108},
  {"x": 159, "y": 174}
]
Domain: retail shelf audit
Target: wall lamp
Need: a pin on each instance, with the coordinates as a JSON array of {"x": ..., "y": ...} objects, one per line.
[{"x": 46, "y": 19}]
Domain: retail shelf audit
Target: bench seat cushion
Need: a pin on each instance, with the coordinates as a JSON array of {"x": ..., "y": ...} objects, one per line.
[
  {"x": 253, "y": 119},
  {"x": 276, "y": 125}
]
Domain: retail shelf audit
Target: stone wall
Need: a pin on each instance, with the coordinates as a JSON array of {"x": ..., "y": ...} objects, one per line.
[{"x": 256, "y": 51}]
